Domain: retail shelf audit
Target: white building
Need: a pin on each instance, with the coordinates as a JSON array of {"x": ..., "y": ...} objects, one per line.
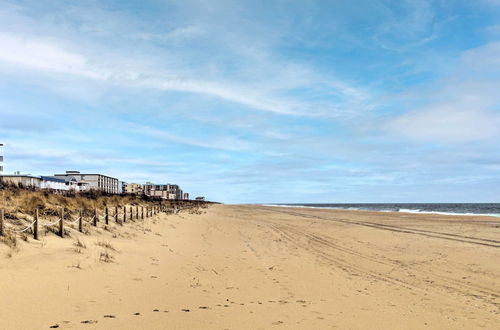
[
  {"x": 93, "y": 181},
  {"x": 52, "y": 183}
]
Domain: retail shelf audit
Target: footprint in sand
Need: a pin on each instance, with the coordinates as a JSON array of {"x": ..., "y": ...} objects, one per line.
[
  {"x": 156, "y": 310},
  {"x": 137, "y": 313},
  {"x": 109, "y": 316},
  {"x": 185, "y": 310},
  {"x": 54, "y": 326},
  {"x": 89, "y": 321}
]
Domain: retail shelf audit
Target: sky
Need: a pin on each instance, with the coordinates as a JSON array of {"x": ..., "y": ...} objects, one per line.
[{"x": 258, "y": 101}]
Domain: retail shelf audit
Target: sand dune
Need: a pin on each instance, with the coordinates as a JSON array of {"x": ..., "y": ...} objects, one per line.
[{"x": 252, "y": 267}]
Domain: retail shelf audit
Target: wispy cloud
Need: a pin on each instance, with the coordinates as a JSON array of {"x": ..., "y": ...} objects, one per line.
[
  {"x": 463, "y": 105},
  {"x": 265, "y": 83}
]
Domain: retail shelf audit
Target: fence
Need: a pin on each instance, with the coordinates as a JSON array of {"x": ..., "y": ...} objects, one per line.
[{"x": 93, "y": 217}]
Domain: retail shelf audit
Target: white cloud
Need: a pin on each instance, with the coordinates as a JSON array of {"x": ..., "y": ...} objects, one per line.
[
  {"x": 448, "y": 124},
  {"x": 225, "y": 58},
  {"x": 43, "y": 55},
  {"x": 464, "y": 106},
  {"x": 225, "y": 143}
]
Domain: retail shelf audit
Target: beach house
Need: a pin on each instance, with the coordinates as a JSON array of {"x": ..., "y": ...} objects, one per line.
[
  {"x": 93, "y": 181},
  {"x": 52, "y": 183}
]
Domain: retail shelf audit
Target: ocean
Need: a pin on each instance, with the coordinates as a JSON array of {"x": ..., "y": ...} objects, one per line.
[{"x": 487, "y": 209}]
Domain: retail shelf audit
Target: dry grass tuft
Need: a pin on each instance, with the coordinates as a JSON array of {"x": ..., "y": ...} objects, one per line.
[
  {"x": 106, "y": 245},
  {"x": 9, "y": 239},
  {"x": 80, "y": 244},
  {"x": 106, "y": 257}
]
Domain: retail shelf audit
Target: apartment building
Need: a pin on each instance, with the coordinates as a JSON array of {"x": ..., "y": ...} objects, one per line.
[
  {"x": 164, "y": 191},
  {"x": 93, "y": 181},
  {"x": 134, "y": 188}
]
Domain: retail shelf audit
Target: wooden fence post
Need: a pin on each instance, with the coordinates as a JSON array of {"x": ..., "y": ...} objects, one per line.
[
  {"x": 131, "y": 213},
  {"x": 124, "y": 214},
  {"x": 137, "y": 212},
  {"x": 142, "y": 211},
  {"x": 80, "y": 222},
  {"x": 95, "y": 217},
  {"x": 116, "y": 214},
  {"x": 61, "y": 224},
  {"x": 107, "y": 215},
  {"x": 35, "y": 225},
  {"x": 1, "y": 222}
]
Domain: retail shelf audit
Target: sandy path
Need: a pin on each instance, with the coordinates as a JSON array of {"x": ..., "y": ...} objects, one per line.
[{"x": 249, "y": 267}]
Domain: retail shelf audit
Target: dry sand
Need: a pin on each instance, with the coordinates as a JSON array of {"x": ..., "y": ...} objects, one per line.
[{"x": 252, "y": 267}]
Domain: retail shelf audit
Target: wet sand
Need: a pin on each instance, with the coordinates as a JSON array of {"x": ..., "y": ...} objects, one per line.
[{"x": 253, "y": 267}]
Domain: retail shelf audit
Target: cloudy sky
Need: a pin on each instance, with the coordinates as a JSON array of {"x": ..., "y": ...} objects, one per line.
[{"x": 258, "y": 101}]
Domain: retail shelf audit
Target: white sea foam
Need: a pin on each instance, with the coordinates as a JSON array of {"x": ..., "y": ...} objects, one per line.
[{"x": 385, "y": 210}]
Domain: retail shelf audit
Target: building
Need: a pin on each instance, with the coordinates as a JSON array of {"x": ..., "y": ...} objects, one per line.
[
  {"x": 1, "y": 159},
  {"x": 93, "y": 181},
  {"x": 52, "y": 183},
  {"x": 200, "y": 198},
  {"x": 74, "y": 184},
  {"x": 121, "y": 187},
  {"x": 134, "y": 188},
  {"x": 185, "y": 196},
  {"x": 164, "y": 191},
  {"x": 24, "y": 180}
]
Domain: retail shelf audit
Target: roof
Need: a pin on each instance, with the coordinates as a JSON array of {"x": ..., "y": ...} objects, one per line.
[
  {"x": 52, "y": 179},
  {"x": 76, "y": 174},
  {"x": 20, "y": 176}
]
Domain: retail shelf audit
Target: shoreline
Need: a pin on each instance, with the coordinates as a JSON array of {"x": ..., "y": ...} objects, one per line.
[
  {"x": 256, "y": 267},
  {"x": 385, "y": 211}
]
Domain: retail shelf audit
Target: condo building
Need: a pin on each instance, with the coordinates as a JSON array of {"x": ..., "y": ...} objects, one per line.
[{"x": 93, "y": 181}]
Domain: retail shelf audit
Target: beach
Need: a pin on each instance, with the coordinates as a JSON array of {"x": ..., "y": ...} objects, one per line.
[{"x": 258, "y": 267}]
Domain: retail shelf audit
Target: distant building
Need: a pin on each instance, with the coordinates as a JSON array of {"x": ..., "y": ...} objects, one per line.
[
  {"x": 43, "y": 182},
  {"x": 53, "y": 183},
  {"x": 25, "y": 180},
  {"x": 97, "y": 182},
  {"x": 164, "y": 191},
  {"x": 134, "y": 188},
  {"x": 185, "y": 196},
  {"x": 200, "y": 198},
  {"x": 121, "y": 187},
  {"x": 1, "y": 158}
]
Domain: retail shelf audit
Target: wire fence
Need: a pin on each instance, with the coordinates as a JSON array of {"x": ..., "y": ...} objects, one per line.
[{"x": 66, "y": 218}]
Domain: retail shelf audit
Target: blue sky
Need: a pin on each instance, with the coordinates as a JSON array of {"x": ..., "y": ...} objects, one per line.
[{"x": 258, "y": 101}]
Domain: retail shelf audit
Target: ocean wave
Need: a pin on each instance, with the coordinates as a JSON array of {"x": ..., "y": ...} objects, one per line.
[{"x": 402, "y": 210}]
